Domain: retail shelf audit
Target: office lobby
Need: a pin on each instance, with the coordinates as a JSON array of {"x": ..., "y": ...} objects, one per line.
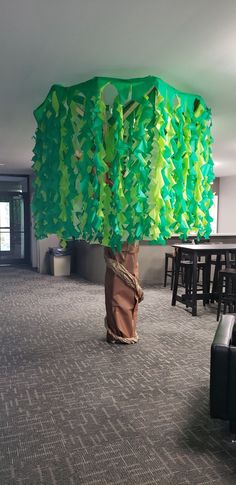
[{"x": 79, "y": 404}]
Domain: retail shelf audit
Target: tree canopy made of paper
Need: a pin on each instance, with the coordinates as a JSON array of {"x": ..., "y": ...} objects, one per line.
[{"x": 122, "y": 160}]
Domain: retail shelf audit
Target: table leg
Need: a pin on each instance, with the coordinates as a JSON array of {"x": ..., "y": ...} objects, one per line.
[
  {"x": 220, "y": 296},
  {"x": 216, "y": 276},
  {"x": 227, "y": 263},
  {"x": 208, "y": 275},
  {"x": 176, "y": 275},
  {"x": 194, "y": 290}
]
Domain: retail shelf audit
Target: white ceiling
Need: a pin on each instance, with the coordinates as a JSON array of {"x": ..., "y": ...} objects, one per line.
[{"x": 191, "y": 44}]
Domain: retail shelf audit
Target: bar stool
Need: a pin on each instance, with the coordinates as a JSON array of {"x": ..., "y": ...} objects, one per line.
[
  {"x": 185, "y": 271},
  {"x": 169, "y": 272},
  {"x": 220, "y": 264},
  {"x": 202, "y": 283},
  {"x": 232, "y": 262},
  {"x": 227, "y": 282},
  {"x": 186, "y": 274}
]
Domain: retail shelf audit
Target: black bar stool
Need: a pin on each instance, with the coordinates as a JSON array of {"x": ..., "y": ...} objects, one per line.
[
  {"x": 220, "y": 264},
  {"x": 185, "y": 272},
  {"x": 202, "y": 277},
  {"x": 169, "y": 272},
  {"x": 227, "y": 290}
]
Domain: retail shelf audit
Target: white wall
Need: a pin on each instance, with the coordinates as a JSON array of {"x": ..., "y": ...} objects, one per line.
[{"x": 227, "y": 205}]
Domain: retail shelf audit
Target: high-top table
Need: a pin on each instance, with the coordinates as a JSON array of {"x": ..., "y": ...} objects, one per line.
[{"x": 194, "y": 251}]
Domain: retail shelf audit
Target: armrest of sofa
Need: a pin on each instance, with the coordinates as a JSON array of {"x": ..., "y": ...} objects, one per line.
[
  {"x": 233, "y": 340},
  {"x": 220, "y": 368},
  {"x": 232, "y": 384}
]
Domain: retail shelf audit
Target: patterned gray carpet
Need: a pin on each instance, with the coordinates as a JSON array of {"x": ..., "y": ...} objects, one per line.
[{"x": 76, "y": 410}]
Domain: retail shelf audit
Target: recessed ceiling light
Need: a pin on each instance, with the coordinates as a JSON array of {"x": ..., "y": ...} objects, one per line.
[{"x": 2, "y": 164}]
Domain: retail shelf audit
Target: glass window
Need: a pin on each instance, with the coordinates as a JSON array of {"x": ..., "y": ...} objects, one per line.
[
  {"x": 5, "y": 244},
  {"x": 4, "y": 214}
]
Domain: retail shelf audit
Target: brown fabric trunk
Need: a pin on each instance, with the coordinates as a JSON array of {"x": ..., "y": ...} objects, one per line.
[{"x": 121, "y": 300}]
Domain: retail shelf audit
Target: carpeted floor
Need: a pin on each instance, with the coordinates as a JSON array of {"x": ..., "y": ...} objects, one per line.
[{"x": 76, "y": 410}]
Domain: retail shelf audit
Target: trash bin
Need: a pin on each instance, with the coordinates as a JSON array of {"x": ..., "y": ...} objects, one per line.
[{"x": 60, "y": 261}]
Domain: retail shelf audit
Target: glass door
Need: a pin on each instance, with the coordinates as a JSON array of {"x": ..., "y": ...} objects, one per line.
[
  {"x": 13, "y": 234},
  {"x": 5, "y": 243},
  {"x": 14, "y": 219}
]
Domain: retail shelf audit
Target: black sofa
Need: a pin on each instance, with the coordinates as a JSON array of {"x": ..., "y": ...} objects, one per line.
[{"x": 223, "y": 372}]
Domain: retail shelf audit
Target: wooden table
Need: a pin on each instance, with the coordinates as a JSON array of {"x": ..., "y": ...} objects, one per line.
[{"x": 194, "y": 251}]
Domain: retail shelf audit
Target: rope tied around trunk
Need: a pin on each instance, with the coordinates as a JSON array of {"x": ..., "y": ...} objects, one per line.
[
  {"x": 129, "y": 279},
  {"x": 118, "y": 338}
]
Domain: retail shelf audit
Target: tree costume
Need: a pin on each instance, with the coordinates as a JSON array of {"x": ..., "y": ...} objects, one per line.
[
  {"x": 119, "y": 161},
  {"x": 122, "y": 294}
]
